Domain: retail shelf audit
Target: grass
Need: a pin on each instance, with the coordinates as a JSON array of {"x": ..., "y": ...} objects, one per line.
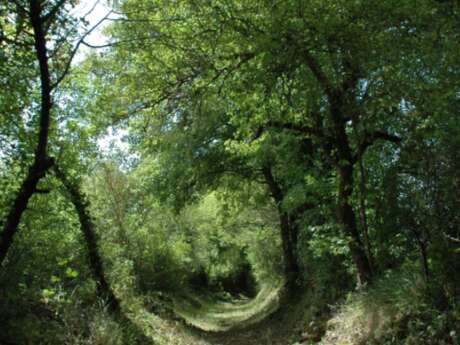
[
  {"x": 143, "y": 324},
  {"x": 394, "y": 310},
  {"x": 367, "y": 315},
  {"x": 211, "y": 314}
]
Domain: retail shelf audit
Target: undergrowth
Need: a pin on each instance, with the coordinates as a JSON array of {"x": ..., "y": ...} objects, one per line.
[{"x": 400, "y": 308}]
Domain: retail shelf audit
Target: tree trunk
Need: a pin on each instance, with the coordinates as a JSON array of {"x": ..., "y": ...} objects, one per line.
[
  {"x": 87, "y": 226},
  {"x": 422, "y": 241},
  {"x": 424, "y": 255},
  {"x": 288, "y": 233},
  {"x": 362, "y": 213},
  {"x": 41, "y": 161},
  {"x": 347, "y": 218},
  {"x": 291, "y": 266},
  {"x": 344, "y": 162}
]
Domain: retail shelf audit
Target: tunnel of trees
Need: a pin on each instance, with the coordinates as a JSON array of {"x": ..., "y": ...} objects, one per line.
[{"x": 223, "y": 152}]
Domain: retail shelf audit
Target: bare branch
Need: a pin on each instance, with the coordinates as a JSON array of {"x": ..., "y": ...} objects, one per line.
[
  {"x": 75, "y": 49},
  {"x": 100, "y": 46},
  {"x": 91, "y": 9},
  {"x": 116, "y": 43}
]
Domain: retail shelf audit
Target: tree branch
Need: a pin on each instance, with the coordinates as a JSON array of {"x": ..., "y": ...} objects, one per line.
[
  {"x": 47, "y": 18},
  {"x": 79, "y": 201},
  {"x": 295, "y": 127},
  {"x": 42, "y": 191},
  {"x": 371, "y": 138},
  {"x": 299, "y": 210},
  {"x": 41, "y": 162},
  {"x": 451, "y": 238},
  {"x": 320, "y": 75},
  {"x": 75, "y": 49}
]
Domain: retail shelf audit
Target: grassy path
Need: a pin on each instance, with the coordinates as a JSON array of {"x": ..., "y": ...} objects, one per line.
[
  {"x": 213, "y": 321},
  {"x": 213, "y": 315}
]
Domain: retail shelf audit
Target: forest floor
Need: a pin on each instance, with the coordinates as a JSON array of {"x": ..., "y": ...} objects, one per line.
[
  {"x": 386, "y": 310},
  {"x": 218, "y": 315},
  {"x": 205, "y": 320}
]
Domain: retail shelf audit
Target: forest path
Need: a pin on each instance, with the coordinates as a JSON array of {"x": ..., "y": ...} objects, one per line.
[
  {"x": 236, "y": 322},
  {"x": 213, "y": 321},
  {"x": 215, "y": 315}
]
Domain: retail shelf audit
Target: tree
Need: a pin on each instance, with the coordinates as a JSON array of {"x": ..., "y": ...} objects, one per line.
[
  {"x": 80, "y": 203},
  {"x": 42, "y": 162},
  {"x": 48, "y": 20},
  {"x": 330, "y": 73},
  {"x": 321, "y": 80}
]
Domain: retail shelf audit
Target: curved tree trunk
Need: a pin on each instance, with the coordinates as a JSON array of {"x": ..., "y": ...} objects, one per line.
[
  {"x": 41, "y": 161},
  {"x": 132, "y": 333},
  {"x": 87, "y": 226}
]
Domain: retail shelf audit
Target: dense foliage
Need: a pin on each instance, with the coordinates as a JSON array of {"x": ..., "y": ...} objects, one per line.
[{"x": 219, "y": 150}]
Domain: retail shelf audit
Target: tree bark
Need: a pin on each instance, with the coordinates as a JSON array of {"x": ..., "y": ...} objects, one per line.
[
  {"x": 362, "y": 212},
  {"x": 344, "y": 161},
  {"x": 87, "y": 226},
  {"x": 342, "y": 102},
  {"x": 288, "y": 233},
  {"x": 41, "y": 161},
  {"x": 104, "y": 290},
  {"x": 347, "y": 218},
  {"x": 292, "y": 270}
]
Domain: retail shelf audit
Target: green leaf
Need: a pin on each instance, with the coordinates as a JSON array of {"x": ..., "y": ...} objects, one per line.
[{"x": 71, "y": 273}]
